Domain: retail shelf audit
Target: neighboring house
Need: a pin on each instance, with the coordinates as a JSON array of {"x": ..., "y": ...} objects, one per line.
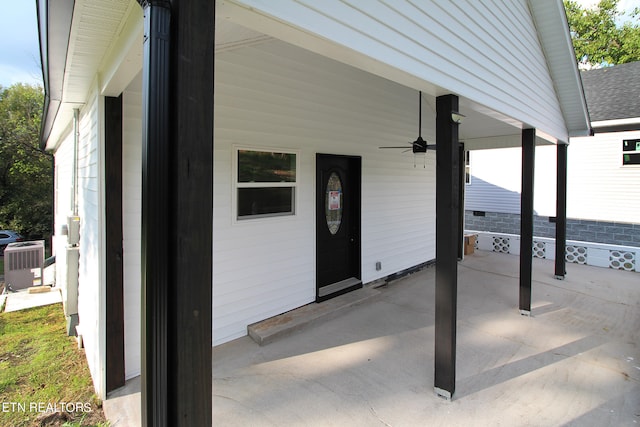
[
  {"x": 305, "y": 203},
  {"x": 603, "y": 171}
]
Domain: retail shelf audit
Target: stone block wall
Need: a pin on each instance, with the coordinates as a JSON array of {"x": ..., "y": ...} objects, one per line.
[{"x": 613, "y": 233}]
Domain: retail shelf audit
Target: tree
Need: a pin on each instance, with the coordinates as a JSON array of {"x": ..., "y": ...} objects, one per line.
[
  {"x": 598, "y": 39},
  {"x": 25, "y": 170}
]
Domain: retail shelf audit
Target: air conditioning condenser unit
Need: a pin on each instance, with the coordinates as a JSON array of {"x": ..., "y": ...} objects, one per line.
[{"x": 23, "y": 263}]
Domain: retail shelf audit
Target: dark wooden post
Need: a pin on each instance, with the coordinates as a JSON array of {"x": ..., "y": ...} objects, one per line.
[
  {"x": 115, "y": 371},
  {"x": 526, "y": 219},
  {"x": 447, "y": 219},
  {"x": 192, "y": 45},
  {"x": 177, "y": 216},
  {"x": 561, "y": 212}
]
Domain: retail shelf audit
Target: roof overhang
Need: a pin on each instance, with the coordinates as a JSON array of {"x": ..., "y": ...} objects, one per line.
[
  {"x": 550, "y": 19},
  {"x": 54, "y": 29},
  {"x": 85, "y": 45}
]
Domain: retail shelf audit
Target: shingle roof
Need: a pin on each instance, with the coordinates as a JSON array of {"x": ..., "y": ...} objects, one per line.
[{"x": 613, "y": 92}]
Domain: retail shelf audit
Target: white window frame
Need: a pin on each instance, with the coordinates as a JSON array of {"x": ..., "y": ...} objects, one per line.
[{"x": 237, "y": 185}]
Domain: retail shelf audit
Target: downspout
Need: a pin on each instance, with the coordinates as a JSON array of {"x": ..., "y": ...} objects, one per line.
[
  {"x": 156, "y": 405},
  {"x": 76, "y": 138}
]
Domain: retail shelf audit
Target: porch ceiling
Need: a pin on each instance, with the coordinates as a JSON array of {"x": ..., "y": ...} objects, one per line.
[
  {"x": 482, "y": 128},
  {"x": 230, "y": 36},
  {"x": 100, "y": 33}
]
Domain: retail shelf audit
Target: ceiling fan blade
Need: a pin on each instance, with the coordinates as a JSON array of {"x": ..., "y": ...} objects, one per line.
[
  {"x": 396, "y": 147},
  {"x": 431, "y": 147}
]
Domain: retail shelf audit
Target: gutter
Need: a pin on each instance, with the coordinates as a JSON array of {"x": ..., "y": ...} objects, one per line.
[
  {"x": 617, "y": 125},
  {"x": 54, "y": 29}
]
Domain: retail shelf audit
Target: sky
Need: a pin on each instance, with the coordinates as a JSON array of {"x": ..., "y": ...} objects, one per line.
[
  {"x": 20, "y": 53},
  {"x": 19, "y": 48}
]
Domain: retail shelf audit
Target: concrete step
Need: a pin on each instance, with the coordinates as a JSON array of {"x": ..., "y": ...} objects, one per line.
[{"x": 282, "y": 325}]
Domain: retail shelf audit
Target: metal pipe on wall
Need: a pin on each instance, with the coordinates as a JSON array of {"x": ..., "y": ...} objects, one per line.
[{"x": 76, "y": 139}]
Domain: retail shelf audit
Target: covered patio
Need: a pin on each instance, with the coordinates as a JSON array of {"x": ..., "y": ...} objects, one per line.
[
  {"x": 575, "y": 361},
  {"x": 190, "y": 87}
]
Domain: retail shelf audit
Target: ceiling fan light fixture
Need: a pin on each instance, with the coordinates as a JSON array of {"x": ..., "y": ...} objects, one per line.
[{"x": 419, "y": 145}]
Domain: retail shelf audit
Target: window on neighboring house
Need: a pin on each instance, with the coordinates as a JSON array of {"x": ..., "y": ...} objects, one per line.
[
  {"x": 265, "y": 183},
  {"x": 631, "y": 152},
  {"x": 467, "y": 167}
]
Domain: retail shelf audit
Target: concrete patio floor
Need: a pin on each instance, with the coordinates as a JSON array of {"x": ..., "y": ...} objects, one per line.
[{"x": 575, "y": 361}]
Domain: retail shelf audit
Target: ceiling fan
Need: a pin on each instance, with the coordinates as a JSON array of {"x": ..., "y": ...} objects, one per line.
[{"x": 419, "y": 145}]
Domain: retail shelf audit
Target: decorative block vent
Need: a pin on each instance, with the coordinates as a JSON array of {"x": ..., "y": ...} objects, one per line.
[
  {"x": 622, "y": 260},
  {"x": 576, "y": 254},
  {"x": 501, "y": 244},
  {"x": 539, "y": 249},
  {"x": 475, "y": 244}
]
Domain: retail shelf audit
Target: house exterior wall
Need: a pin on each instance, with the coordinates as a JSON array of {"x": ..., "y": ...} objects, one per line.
[
  {"x": 90, "y": 210},
  {"x": 603, "y": 198},
  {"x": 495, "y": 184},
  {"x": 132, "y": 223},
  {"x": 496, "y": 181},
  {"x": 276, "y": 96},
  {"x": 63, "y": 202},
  {"x": 91, "y": 280},
  {"x": 436, "y": 37},
  {"x": 90, "y": 202},
  {"x": 599, "y": 187},
  {"x": 581, "y": 230}
]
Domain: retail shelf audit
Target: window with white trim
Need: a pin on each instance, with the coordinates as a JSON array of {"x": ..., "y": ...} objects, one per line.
[
  {"x": 265, "y": 183},
  {"x": 631, "y": 152}
]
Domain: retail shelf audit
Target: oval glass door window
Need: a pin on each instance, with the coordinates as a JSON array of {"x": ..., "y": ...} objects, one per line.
[{"x": 333, "y": 203}]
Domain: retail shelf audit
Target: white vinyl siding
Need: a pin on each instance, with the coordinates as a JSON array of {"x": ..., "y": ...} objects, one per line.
[
  {"x": 486, "y": 51},
  {"x": 63, "y": 202},
  {"x": 496, "y": 183},
  {"x": 277, "y": 95},
  {"x": 132, "y": 223},
  {"x": 89, "y": 205},
  {"x": 599, "y": 187},
  {"x": 90, "y": 276}
]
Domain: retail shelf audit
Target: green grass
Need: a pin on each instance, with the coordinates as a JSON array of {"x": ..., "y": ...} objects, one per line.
[
  {"x": 1, "y": 266},
  {"x": 40, "y": 366}
]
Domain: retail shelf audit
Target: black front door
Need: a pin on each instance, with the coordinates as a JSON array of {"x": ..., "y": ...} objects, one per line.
[{"x": 337, "y": 225}]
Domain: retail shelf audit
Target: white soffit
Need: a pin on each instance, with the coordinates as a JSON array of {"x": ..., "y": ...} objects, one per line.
[{"x": 94, "y": 27}]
